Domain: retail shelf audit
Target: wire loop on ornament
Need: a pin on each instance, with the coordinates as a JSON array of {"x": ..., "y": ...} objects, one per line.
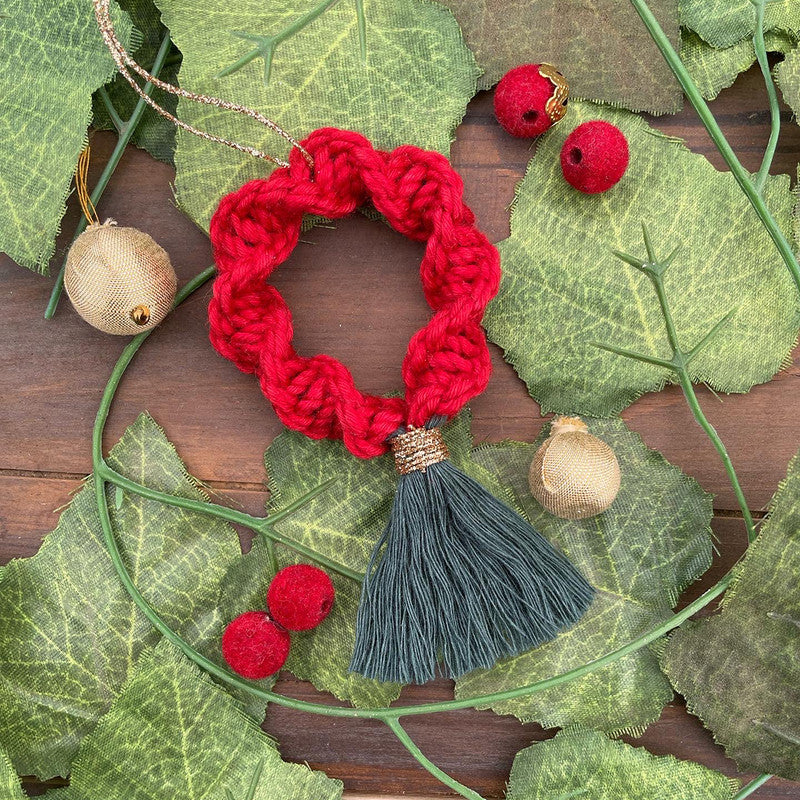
[
  {"x": 125, "y": 63},
  {"x": 82, "y": 188}
]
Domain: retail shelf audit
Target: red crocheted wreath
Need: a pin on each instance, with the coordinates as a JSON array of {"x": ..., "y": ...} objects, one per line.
[{"x": 256, "y": 228}]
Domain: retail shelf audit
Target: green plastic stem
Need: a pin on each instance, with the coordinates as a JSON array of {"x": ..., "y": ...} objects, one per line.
[
  {"x": 125, "y": 132},
  {"x": 741, "y": 175},
  {"x": 116, "y": 119},
  {"x": 774, "y": 107},
  {"x": 681, "y": 369},
  {"x": 412, "y": 748},
  {"x": 267, "y": 44},
  {"x": 749, "y": 788},
  {"x": 262, "y": 525},
  {"x": 225, "y": 675}
]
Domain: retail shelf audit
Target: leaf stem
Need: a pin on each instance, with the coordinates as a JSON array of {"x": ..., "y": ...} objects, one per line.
[
  {"x": 362, "y": 30},
  {"x": 742, "y": 176},
  {"x": 116, "y": 119},
  {"x": 266, "y": 45},
  {"x": 749, "y": 788},
  {"x": 262, "y": 525},
  {"x": 679, "y": 364},
  {"x": 413, "y": 748},
  {"x": 125, "y": 132},
  {"x": 774, "y": 107}
]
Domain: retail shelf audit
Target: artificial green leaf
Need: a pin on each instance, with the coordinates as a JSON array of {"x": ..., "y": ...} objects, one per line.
[
  {"x": 173, "y": 733},
  {"x": 714, "y": 69},
  {"x": 639, "y": 555},
  {"x": 740, "y": 670},
  {"x": 413, "y": 87},
  {"x": 723, "y": 23},
  {"x": 563, "y": 290},
  {"x": 787, "y": 74},
  {"x": 53, "y": 59},
  {"x": 602, "y": 48},
  {"x": 10, "y": 788},
  {"x": 341, "y": 524},
  {"x": 70, "y": 634},
  {"x": 585, "y": 764},
  {"x": 154, "y": 133}
]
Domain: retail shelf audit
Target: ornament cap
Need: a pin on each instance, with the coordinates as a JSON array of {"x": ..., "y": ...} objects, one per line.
[
  {"x": 556, "y": 106},
  {"x": 567, "y": 424}
]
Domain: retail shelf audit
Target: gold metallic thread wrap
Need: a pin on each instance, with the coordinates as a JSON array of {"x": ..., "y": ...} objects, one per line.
[{"x": 418, "y": 449}]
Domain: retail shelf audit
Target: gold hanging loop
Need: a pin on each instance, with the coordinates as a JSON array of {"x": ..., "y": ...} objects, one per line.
[
  {"x": 124, "y": 61},
  {"x": 82, "y": 188}
]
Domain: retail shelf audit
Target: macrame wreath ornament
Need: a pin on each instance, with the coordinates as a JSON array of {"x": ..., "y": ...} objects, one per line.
[{"x": 457, "y": 577}]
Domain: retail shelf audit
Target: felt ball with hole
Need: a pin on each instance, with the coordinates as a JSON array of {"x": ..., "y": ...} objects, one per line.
[
  {"x": 594, "y": 156},
  {"x": 254, "y": 646},
  {"x": 300, "y": 597},
  {"x": 526, "y": 102}
]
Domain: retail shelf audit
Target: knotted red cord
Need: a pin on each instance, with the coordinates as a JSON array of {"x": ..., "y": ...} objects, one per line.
[{"x": 256, "y": 228}]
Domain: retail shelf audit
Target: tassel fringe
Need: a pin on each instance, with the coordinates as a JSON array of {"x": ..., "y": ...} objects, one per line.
[{"x": 460, "y": 580}]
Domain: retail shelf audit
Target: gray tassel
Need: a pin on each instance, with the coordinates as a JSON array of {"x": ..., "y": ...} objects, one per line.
[{"x": 458, "y": 579}]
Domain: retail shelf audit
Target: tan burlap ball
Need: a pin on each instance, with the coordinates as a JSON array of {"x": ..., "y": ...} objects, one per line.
[
  {"x": 574, "y": 474},
  {"x": 119, "y": 279}
]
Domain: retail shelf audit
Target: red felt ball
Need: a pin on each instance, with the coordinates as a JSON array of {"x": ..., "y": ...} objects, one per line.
[
  {"x": 594, "y": 156},
  {"x": 254, "y": 645},
  {"x": 519, "y": 101},
  {"x": 300, "y": 597}
]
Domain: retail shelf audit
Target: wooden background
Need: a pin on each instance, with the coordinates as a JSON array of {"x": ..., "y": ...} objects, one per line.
[{"x": 354, "y": 294}]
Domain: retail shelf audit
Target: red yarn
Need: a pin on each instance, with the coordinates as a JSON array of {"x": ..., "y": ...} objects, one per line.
[
  {"x": 254, "y": 646},
  {"x": 519, "y": 101},
  {"x": 256, "y": 228},
  {"x": 594, "y": 156},
  {"x": 300, "y": 597}
]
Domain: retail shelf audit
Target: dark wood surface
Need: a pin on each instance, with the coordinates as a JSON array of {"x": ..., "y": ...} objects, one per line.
[{"x": 353, "y": 293}]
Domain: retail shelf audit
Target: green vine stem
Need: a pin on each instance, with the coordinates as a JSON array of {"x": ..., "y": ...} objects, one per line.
[
  {"x": 742, "y": 176},
  {"x": 749, "y": 788},
  {"x": 104, "y": 474},
  {"x": 251, "y": 790},
  {"x": 261, "y": 525},
  {"x": 413, "y": 748},
  {"x": 125, "y": 130},
  {"x": 774, "y": 108},
  {"x": 655, "y": 270},
  {"x": 267, "y": 45},
  {"x": 390, "y": 715}
]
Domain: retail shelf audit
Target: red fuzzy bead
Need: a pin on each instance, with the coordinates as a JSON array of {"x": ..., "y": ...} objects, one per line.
[
  {"x": 519, "y": 101},
  {"x": 594, "y": 156},
  {"x": 254, "y": 645},
  {"x": 300, "y": 597}
]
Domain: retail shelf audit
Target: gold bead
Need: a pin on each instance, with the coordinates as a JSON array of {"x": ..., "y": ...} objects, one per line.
[
  {"x": 574, "y": 474},
  {"x": 119, "y": 279}
]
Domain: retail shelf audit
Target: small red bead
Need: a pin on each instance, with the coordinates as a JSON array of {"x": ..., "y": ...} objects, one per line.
[
  {"x": 254, "y": 646},
  {"x": 519, "y": 101},
  {"x": 300, "y": 597},
  {"x": 594, "y": 156}
]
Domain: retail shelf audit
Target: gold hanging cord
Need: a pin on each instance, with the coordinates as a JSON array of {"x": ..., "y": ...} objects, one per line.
[
  {"x": 125, "y": 63},
  {"x": 82, "y": 188}
]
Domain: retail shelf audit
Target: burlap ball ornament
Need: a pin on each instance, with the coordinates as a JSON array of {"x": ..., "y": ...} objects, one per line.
[
  {"x": 574, "y": 475},
  {"x": 119, "y": 279}
]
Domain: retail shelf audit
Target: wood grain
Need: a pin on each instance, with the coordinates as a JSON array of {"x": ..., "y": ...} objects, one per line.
[{"x": 353, "y": 293}]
